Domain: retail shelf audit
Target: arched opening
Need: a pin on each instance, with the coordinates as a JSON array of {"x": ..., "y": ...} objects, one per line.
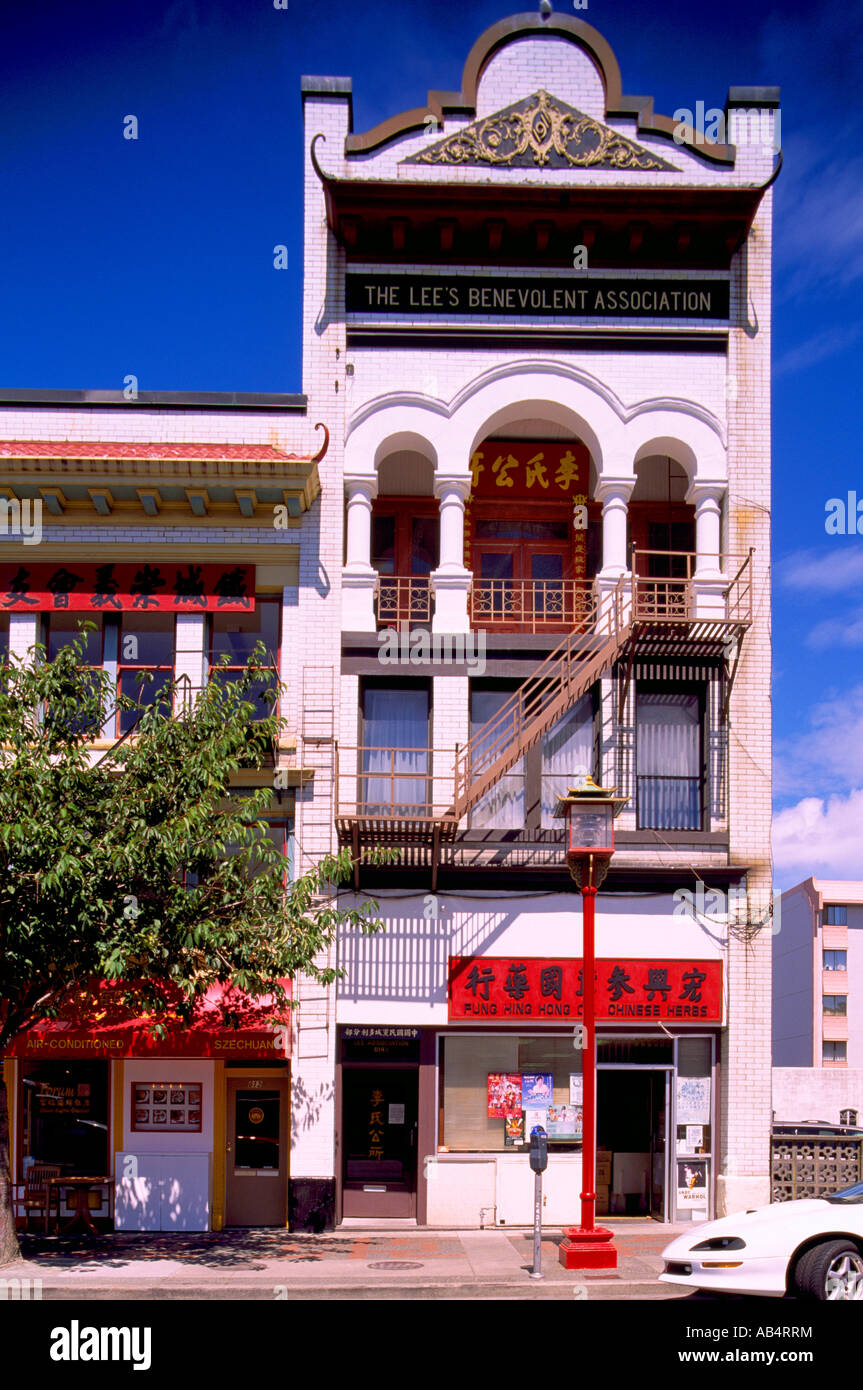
[
  {"x": 661, "y": 532},
  {"x": 532, "y": 534},
  {"x": 405, "y": 542}
]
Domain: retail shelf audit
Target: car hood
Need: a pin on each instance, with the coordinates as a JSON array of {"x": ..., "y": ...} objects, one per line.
[{"x": 811, "y": 1212}]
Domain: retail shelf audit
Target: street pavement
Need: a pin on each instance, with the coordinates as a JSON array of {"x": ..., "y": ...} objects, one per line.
[{"x": 346, "y": 1264}]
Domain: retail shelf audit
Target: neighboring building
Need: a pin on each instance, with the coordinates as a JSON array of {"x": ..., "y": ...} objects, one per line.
[
  {"x": 818, "y": 1003},
  {"x": 158, "y": 522},
  {"x": 536, "y": 312}
]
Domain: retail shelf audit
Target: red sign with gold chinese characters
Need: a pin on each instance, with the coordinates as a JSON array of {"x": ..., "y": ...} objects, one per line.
[
  {"x": 500, "y": 989},
  {"x": 89, "y": 588},
  {"x": 506, "y": 469}
]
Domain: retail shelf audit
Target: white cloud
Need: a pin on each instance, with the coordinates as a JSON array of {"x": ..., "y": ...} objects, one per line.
[
  {"x": 824, "y": 572},
  {"x": 829, "y": 753},
  {"x": 820, "y": 837}
]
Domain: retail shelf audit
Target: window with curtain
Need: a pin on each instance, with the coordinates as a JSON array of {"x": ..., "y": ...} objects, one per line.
[
  {"x": 668, "y": 761},
  {"x": 503, "y": 806},
  {"x": 568, "y": 746},
  {"x": 395, "y": 753}
]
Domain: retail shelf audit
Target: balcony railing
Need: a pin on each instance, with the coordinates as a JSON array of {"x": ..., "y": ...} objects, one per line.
[
  {"x": 673, "y": 596},
  {"x": 393, "y": 783},
  {"x": 529, "y": 605},
  {"x": 664, "y": 588},
  {"x": 403, "y": 599}
]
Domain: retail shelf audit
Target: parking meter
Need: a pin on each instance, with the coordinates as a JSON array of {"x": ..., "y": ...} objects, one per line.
[
  {"x": 539, "y": 1163},
  {"x": 538, "y": 1149}
]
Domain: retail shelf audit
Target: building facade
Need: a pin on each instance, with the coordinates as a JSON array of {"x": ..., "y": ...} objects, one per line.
[
  {"x": 534, "y": 541},
  {"x": 541, "y": 313},
  {"x": 817, "y": 983},
  {"x": 173, "y": 525}
]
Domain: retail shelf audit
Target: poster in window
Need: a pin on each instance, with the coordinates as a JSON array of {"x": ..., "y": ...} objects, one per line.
[
  {"x": 576, "y": 1088},
  {"x": 564, "y": 1121},
  {"x": 513, "y": 1135},
  {"x": 532, "y": 1118},
  {"x": 181, "y": 1116},
  {"x": 504, "y": 1094},
  {"x": 537, "y": 1089},
  {"x": 692, "y": 1184},
  {"x": 693, "y": 1100}
]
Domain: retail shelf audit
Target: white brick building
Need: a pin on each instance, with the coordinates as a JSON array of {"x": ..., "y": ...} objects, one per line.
[{"x": 517, "y": 295}]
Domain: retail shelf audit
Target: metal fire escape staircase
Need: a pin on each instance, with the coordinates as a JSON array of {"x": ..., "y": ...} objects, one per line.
[{"x": 657, "y": 618}]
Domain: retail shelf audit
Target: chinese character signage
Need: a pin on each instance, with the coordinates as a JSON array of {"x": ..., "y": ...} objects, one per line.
[
  {"x": 142, "y": 587},
  {"x": 504, "y": 469},
  {"x": 503, "y": 988}
]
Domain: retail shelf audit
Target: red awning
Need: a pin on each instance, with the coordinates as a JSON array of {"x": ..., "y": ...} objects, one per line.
[{"x": 93, "y": 1025}]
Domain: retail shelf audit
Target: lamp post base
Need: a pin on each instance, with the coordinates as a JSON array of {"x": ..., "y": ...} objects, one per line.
[{"x": 582, "y": 1249}]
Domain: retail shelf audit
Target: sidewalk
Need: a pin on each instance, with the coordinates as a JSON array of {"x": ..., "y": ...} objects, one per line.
[{"x": 367, "y": 1263}]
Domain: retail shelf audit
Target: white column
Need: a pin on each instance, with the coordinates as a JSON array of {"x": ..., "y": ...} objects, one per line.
[
  {"x": 708, "y": 584},
  {"x": 358, "y": 577},
  {"x": 23, "y": 634},
  {"x": 614, "y": 494},
  {"x": 451, "y": 581},
  {"x": 708, "y": 513}
]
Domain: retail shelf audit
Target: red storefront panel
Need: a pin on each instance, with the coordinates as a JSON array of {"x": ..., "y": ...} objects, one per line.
[
  {"x": 141, "y": 587},
  {"x": 501, "y": 989}
]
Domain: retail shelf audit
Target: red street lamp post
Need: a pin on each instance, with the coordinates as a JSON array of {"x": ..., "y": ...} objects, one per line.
[{"x": 589, "y": 813}]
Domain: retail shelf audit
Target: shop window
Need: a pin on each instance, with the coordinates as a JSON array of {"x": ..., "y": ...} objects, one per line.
[
  {"x": 523, "y": 1081},
  {"x": 235, "y": 636},
  {"x": 4, "y": 636},
  {"x": 669, "y": 764},
  {"x": 693, "y": 1149},
  {"x": 834, "y": 1051},
  {"x": 835, "y": 960},
  {"x": 835, "y": 1005},
  {"x": 835, "y": 915},
  {"x": 638, "y": 1052},
  {"x": 145, "y": 661},
  {"x": 395, "y": 749},
  {"x": 62, "y": 630},
  {"x": 64, "y": 1116}
]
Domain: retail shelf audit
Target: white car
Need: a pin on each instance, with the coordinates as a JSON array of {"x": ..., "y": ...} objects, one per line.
[{"x": 812, "y": 1248}]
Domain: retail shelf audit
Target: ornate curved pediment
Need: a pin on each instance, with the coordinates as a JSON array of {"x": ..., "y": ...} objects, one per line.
[{"x": 540, "y": 131}]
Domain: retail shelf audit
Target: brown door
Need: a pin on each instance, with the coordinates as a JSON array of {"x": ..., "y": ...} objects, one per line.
[
  {"x": 526, "y": 579},
  {"x": 379, "y": 1141},
  {"x": 257, "y": 1144}
]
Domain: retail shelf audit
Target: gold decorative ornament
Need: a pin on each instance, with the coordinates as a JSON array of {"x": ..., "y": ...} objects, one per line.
[{"x": 540, "y": 131}]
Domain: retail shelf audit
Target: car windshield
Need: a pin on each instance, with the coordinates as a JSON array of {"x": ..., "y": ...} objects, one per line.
[{"x": 848, "y": 1194}]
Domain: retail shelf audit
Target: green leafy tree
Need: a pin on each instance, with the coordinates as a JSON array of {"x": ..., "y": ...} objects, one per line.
[{"x": 138, "y": 865}]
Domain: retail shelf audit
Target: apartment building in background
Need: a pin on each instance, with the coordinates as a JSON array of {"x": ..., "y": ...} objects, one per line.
[{"x": 818, "y": 1003}]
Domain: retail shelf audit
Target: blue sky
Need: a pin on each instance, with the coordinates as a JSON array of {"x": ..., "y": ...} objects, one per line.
[{"x": 154, "y": 257}]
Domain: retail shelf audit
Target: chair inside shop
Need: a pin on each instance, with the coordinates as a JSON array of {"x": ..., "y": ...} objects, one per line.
[{"x": 37, "y": 1193}]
